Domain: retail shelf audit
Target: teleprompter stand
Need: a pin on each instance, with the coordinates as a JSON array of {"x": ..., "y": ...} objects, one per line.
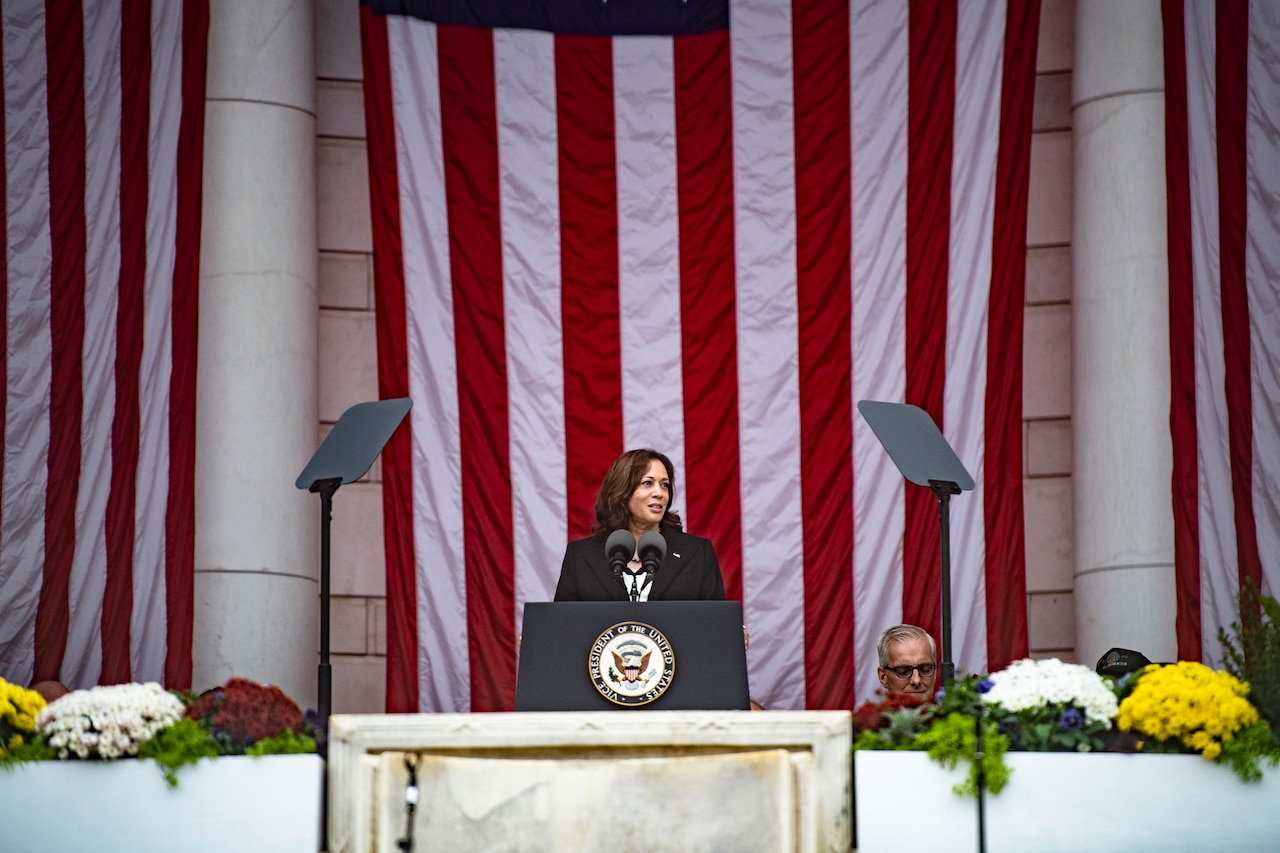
[
  {"x": 924, "y": 457},
  {"x": 343, "y": 457}
]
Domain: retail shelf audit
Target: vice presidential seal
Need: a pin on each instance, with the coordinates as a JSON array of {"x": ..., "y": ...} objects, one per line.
[{"x": 631, "y": 664}]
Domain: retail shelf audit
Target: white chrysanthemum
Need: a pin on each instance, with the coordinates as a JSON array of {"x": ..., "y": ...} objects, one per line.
[
  {"x": 107, "y": 722},
  {"x": 1027, "y": 684}
]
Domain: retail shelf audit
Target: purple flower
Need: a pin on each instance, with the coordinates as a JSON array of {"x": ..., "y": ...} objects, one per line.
[
  {"x": 985, "y": 684},
  {"x": 1071, "y": 719}
]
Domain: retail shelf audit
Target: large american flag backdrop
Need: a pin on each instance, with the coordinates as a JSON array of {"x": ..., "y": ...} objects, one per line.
[
  {"x": 709, "y": 228},
  {"x": 713, "y": 237},
  {"x": 1222, "y": 81},
  {"x": 103, "y": 133}
]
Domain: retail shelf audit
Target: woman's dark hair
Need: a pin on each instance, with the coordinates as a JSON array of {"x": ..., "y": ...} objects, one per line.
[{"x": 620, "y": 482}]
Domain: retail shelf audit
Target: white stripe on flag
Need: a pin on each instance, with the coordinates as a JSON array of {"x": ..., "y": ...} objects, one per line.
[
  {"x": 150, "y": 514},
  {"x": 528, "y": 159},
  {"x": 878, "y": 53},
  {"x": 769, "y": 409},
  {"x": 649, "y": 248},
  {"x": 29, "y": 371},
  {"x": 979, "y": 61},
  {"x": 1217, "y": 522}
]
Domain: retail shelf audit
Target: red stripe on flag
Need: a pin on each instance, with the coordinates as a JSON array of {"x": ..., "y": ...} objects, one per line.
[
  {"x": 1006, "y": 585},
  {"x": 65, "y": 50},
  {"x": 930, "y": 128},
  {"x": 1182, "y": 357},
  {"x": 135, "y": 112},
  {"x": 470, "y": 130},
  {"x": 180, "y": 512},
  {"x": 708, "y": 316},
  {"x": 588, "y": 269},
  {"x": 393, "y": 368},
  {"x": 820, "y": 47},
  {"x": 1232, "y": 56}
]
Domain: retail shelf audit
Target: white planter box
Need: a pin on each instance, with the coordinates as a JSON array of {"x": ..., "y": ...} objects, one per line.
[
  {"x": 271, "y": 802},
  {"x": 1066, "y": 801}
]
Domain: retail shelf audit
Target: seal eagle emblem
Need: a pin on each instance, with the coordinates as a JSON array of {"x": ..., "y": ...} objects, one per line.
[{"x": 631, "y": 664}]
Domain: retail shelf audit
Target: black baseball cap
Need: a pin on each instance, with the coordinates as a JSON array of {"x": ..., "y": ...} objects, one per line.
[{"x": 1118, "y": 662}]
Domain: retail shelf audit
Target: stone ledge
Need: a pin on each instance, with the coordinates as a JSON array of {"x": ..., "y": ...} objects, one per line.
[{"x": 800, "y": 761}]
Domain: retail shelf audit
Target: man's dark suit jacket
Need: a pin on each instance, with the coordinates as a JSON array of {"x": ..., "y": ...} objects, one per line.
[{"x": 689, "y": 572}]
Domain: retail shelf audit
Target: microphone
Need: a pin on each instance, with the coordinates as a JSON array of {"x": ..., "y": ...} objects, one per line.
[
  {"x": 619, "y": 547},
  {"x": 652, "y": 549}
]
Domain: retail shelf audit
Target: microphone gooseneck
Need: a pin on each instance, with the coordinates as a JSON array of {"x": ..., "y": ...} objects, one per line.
[
  {"x": 652, "y": 549},
  {"x": 618, "y": 548}
]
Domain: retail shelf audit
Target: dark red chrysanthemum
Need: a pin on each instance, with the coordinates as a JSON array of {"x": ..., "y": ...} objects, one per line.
[
  {"x": 870, "y": 715},
  {"x": 246, "y": 711}
]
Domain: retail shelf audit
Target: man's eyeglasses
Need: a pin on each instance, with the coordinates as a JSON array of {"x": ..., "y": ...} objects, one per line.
[{"x": 925, "y": 670}]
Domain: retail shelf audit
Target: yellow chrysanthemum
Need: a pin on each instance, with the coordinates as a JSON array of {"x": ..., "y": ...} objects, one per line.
[
  {"x": 19, "y": 706},
  {"x": 1188, "y": 702}
]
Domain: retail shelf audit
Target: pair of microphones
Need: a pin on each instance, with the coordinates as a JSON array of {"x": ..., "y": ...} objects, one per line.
[{"x": 622, "y": 545}]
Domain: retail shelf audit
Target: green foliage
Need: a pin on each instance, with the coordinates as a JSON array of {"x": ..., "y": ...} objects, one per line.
[
  {"x": 1251, "y": 651},
  {"x": 954, "y": 735},
  {"x": 954, "y": 738},
  {"x": 1044, "y": 729},
  {"x": 947, "y": 731},
  {"x": 899, "y": 729},
  {"x": 288, "y": 743},
  {"x": 963, "y": 695},
  {"x": 187, "y": 741},
  {"x": 29, "y": 749},
  {"x": 184, "y": 742},
  {"x": 1250, "y": 747}
]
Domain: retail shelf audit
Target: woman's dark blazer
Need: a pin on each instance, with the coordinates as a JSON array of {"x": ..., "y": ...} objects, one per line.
[{"x": 689, "y": 572}]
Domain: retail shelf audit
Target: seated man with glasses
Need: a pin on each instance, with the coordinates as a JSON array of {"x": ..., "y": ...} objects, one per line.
[{"x": 908, "y": 661}]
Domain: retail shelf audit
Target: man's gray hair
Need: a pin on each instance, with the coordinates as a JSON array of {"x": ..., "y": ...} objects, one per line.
[{"x": 903, "y": 632}]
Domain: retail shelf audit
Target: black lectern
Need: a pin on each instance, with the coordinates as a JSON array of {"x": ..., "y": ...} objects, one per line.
[{"x": 561, "y": 641}]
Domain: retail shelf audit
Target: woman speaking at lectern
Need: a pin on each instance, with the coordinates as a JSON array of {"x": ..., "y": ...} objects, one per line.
[{"x": 635, "y": 497}]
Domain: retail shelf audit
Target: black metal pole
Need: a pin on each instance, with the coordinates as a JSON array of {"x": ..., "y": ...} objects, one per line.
[
  {"x": 324, "y": 678},
  {"x": 978, "y": 756},
  {"x": 944, "y": 489}
]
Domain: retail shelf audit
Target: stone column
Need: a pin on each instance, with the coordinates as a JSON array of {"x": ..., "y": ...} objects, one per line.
[
  {"x": 1124, "y": 580},
  {"x": 256, "y": 548}
]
